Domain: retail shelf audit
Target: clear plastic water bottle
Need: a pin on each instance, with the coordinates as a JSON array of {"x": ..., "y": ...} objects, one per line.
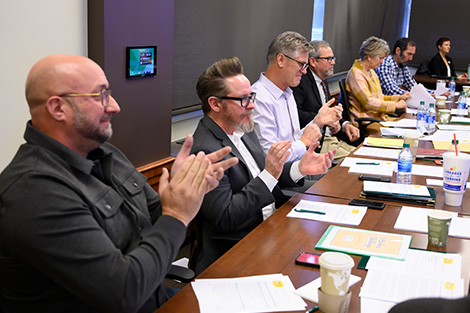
[
  {"x": 405, "y": 160},
  {"x": 453, "y": 148},
  {"x": 431, "y": 118},
  {"x": 452, "y": 88},
  {"x": 462, "y": 102},
  {"x": 421, "y": 116}
]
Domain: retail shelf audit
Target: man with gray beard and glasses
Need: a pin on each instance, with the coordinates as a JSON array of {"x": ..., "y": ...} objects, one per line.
[{"x": 249, "y": 192}]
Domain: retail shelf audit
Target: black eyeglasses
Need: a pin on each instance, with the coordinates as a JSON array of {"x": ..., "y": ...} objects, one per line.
[
  {"x": 302, "y": 64},
  {"x": 328, "y": 59},
  {"x": 104, "y": 95},
  {"x": 244, "y": 101}
]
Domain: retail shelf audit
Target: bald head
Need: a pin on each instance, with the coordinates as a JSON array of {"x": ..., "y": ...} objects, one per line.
[
  {"x": 80, "y": 122},
  {"x": 54, "y": 75}
]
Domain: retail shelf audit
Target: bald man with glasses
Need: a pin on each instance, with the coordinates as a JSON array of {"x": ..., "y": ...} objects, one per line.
[
  {"x": 80, "y": 228},
  {"x": 250, "y": 191}
]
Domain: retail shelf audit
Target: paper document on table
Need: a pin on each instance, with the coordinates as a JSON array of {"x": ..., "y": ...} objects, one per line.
[
  {"x": 464, "y": 145},
  {"x": 397, "y": 287},
  {"x": 403, "y": 123},
  {"x": 383, "y": 142},
  {"x": 416, "y": 219},
  {"x": 350, "y": 161},
  {"x": 364, "y": 242},
  {"x": 453, "y": 127},
  {"x": 382, "y": 168},
  {"x": 403, "y": 189},
  {"x": 461, "y": 112},
  {"x": 460, "y": 119},
  {"x": 310, "y": 290},
  {"x": 426, "y": 170},
  {"x": 444, "y": 135},
  {"x": 422, "y": 262},
  {"x": 265, "y": 293},
  {"x": 419, "y": 93},
  {"x": 397, "y": 132},
  {"x": 438, "y": 182},
  {"x": 328, "y": 212},
  {"x": 376, "y": 306},
  {"x": 378, "y": 152}
]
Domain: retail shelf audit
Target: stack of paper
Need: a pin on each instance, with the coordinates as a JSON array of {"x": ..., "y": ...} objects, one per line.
[
  {"x": 328, "y": 212},
  {"x": 421, "y": 274},
  {"x": 264, "y": 293},
  {"x": 419, "y": 93},
  {"x": 416, "y": 219},
  {"x": 383, "y": 142},
  {"x": 310, "y": 290},
  {"x": 378, "y": 152},
  {"x": 403, "y": 123}
]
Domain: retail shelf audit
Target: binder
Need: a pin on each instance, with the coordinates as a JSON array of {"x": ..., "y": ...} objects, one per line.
[{"x": 396, "y": 197}]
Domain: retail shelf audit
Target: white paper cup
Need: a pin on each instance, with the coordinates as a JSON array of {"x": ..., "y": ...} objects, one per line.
[
  {"x": 456, "y": 168},
  {"x": 441, "y": 101},
  {"x": 335, "y": 270}
]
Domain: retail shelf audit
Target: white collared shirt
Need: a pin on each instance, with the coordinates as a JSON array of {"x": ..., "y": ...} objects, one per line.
[{"x": 276, "y": 117}]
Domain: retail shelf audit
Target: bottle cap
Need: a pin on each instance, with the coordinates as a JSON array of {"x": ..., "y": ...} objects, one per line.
[
  {"x": 453, "y": 141},
  {"x": 431, "y": 104},
  {"x": 406, "y": 145}
]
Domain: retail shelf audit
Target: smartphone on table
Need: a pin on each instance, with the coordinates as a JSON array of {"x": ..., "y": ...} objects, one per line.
[{"x": 308, "y": 259}]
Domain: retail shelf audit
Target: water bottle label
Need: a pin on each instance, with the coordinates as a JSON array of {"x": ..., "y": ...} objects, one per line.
[
  {"x": 421, "y": 116},
  {"x": 461, "y": 105},
  {"x": 405, "y": 166},
  {"x": 431, "y": 119}
]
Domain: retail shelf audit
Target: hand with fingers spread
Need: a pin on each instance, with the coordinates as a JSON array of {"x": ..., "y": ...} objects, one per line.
[
  {"x": 313, "y": 163},
  {"x": 216, "y": 168},
  {"x": 310, "y": 135},
  {"x": 192, "y": 177},
  {"x": 276, "y": 157},
  {"x": 327, "y": 115}
]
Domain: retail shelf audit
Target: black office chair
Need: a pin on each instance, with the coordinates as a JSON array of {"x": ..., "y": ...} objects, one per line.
[{"x": 363, "y": 121}]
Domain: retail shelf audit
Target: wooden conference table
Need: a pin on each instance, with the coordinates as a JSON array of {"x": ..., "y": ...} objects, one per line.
[{"x": 273, "y": 246}]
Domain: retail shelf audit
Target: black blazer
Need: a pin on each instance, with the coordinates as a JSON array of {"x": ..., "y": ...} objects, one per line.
[
  {"x": 438, "y": 67},
  {"x": 309, "y": 102},
  {"x": 233, "y": 209}
]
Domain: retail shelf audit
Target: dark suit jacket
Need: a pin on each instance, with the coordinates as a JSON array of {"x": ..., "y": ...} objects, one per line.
[
  {"x": 427, "y": 305},
  {"x": 233, "y": 209},
  {"x": 439, "y": 68},
  {"x": 308, "y": 101}
]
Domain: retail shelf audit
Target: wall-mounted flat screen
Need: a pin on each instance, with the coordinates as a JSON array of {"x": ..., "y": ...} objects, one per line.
[{"x": 141, "y": 61}]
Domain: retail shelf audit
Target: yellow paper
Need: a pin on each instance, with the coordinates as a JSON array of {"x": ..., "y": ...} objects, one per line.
[
  {"x": 464, "y": 145},
  {"x": 386, "y": 243},
  {"x": 385, "y": 142}
]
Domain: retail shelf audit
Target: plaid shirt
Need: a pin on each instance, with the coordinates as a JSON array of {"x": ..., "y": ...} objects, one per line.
[{"x": 392, "y": 77}]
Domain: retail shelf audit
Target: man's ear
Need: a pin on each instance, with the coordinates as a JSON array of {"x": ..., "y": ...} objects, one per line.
[
  {"x": 312, "y": 61},
  {"x": 398, "y": 51},
  {"x": 280, "y": 59},
  {"x": 56, "y": 107},
  {"x": 215, "y": 104}
]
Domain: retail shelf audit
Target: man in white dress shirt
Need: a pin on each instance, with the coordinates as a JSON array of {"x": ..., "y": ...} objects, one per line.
[{"x": 275, "y": 115}]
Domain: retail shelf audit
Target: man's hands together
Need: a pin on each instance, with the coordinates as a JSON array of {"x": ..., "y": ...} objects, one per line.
[{"x": 192, "y": 177}]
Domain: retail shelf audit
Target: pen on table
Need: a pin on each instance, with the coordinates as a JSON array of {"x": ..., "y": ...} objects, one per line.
[
  {"x": 309, "y": 211},
  {"x": 367, "y": 163},
  {"x": 315, "y": 308}
]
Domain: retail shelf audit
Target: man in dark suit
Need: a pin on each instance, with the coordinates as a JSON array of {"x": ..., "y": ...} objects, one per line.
[
  {"x": 314, "y": 102},
  {"x": 249, "y": 192}
]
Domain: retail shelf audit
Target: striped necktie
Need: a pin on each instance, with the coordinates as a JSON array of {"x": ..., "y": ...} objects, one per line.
[{"x": 327, "y": 96}]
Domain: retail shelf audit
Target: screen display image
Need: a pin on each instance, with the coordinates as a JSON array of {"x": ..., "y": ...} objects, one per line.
[{"x": 141, "y": 61}]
